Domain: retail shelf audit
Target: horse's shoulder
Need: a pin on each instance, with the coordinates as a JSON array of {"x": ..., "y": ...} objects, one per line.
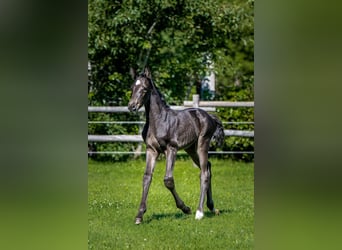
[{"x": 150, "y": 139}]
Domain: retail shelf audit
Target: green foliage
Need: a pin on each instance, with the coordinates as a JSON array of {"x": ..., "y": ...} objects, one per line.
[
  {"x": 114, "y": 192},
  {"x": 178, "y": 40},
  {"x": 112, "y": 129},
  {"x": 238, "y": 115}
]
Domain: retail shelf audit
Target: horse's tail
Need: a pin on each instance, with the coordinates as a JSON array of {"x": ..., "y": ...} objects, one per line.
[{"x": 218, "y": 135}]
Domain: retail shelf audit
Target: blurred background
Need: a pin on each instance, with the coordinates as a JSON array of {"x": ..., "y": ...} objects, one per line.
[{"x": 191, "y": 47}]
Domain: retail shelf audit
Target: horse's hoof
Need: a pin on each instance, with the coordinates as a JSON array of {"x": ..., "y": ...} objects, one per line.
[
  {"x": 186, "y": 210},
  {"x": 216, "y": 211},
  {"x": 199, "y": 215},
  {"x": 138, "y": 221}
]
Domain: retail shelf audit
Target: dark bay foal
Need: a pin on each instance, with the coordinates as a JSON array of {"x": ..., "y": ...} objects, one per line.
[{"x": 167, "y": 131}]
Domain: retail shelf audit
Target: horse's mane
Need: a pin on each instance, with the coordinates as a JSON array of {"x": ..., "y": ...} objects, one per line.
[
  {"x": 162, "y": 98},
  {"x": 154, "y": 87}
]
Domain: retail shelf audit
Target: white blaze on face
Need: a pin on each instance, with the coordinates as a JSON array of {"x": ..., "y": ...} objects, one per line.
[{"x": 138, "y": 82}]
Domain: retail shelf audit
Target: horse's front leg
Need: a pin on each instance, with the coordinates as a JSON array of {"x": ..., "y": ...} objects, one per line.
[
  {"x": 151, "y": 157},
  {"x": 171, "y": 153}
]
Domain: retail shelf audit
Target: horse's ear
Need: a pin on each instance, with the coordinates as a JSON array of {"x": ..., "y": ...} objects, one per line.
[
  {"x": 132, "y": 72},
  {"x": 147, "y": 72}
]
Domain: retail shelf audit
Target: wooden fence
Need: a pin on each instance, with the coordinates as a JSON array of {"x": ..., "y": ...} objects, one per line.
[{"x": 205, "y": 105}]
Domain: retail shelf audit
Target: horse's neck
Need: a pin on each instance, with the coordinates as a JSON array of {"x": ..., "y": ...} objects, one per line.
[{"x": 155, "y": 108}]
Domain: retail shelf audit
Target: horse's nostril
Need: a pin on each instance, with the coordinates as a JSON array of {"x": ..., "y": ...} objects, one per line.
[{"x": 132, "y": 107}]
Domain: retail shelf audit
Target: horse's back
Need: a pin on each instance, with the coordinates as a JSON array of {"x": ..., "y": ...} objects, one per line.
[{"x": 205, "y": 124}]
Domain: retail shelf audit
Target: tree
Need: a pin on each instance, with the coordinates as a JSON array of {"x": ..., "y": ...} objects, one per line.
[
  {"x": 177, "y": 36},
  {"x": 177, "y": 39}
]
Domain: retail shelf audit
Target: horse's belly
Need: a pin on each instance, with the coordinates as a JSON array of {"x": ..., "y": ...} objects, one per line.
[{"x": 186, "y": 139}]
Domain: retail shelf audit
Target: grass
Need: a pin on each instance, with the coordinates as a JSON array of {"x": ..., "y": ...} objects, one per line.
[{"x": 114, "y": 191}]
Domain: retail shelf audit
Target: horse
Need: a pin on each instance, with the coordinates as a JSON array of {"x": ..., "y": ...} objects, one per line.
[{"x": 167, "y": 131}]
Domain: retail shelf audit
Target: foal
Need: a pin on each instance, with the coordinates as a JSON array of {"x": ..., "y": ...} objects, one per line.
[{"x": 167, "y": 131}]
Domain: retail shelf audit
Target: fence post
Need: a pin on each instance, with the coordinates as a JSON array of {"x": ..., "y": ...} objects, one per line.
[{"x": 195, "y": 100}]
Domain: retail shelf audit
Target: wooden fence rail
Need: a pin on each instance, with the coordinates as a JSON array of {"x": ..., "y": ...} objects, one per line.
[
  {"x": 205, "y": 105},
  {"x": 201, "y": 104},
  {"x": 119, "y": 109},
  {"x": 138, "y": 138}
]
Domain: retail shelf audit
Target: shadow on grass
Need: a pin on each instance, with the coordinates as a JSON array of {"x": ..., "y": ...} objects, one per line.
[
  {"x": 163, "y": 216},
  {"x": 223, "y": 211},
  {"x": 182, "y": 216}
]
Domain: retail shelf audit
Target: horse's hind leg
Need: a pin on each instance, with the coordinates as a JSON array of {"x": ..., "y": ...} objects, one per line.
[
  {"x": 194, "y": 156},
  {"x": 169, "y": 181},
  {"x": 210, "y": 202},
  {"x": 202, "y": 151}
]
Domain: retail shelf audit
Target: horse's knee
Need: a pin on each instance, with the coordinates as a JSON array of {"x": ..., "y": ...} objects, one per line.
[
  {"x": 207, "y": 170},
  {"x": 169, "y": 182},
  {"x": 205, "y": 175},
  {"x": 147, "y": 178}
]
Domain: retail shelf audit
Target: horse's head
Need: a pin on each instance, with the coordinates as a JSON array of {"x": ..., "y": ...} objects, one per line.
[{"x": 141, "y": 90}]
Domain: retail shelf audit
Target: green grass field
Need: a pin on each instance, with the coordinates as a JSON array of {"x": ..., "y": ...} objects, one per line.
[{"x": 114, "y": 191}]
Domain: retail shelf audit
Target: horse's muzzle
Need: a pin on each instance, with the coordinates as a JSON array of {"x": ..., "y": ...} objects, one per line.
[
  {"x": 133, "y": 106},
  {"x": 132, "y": 109}
]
